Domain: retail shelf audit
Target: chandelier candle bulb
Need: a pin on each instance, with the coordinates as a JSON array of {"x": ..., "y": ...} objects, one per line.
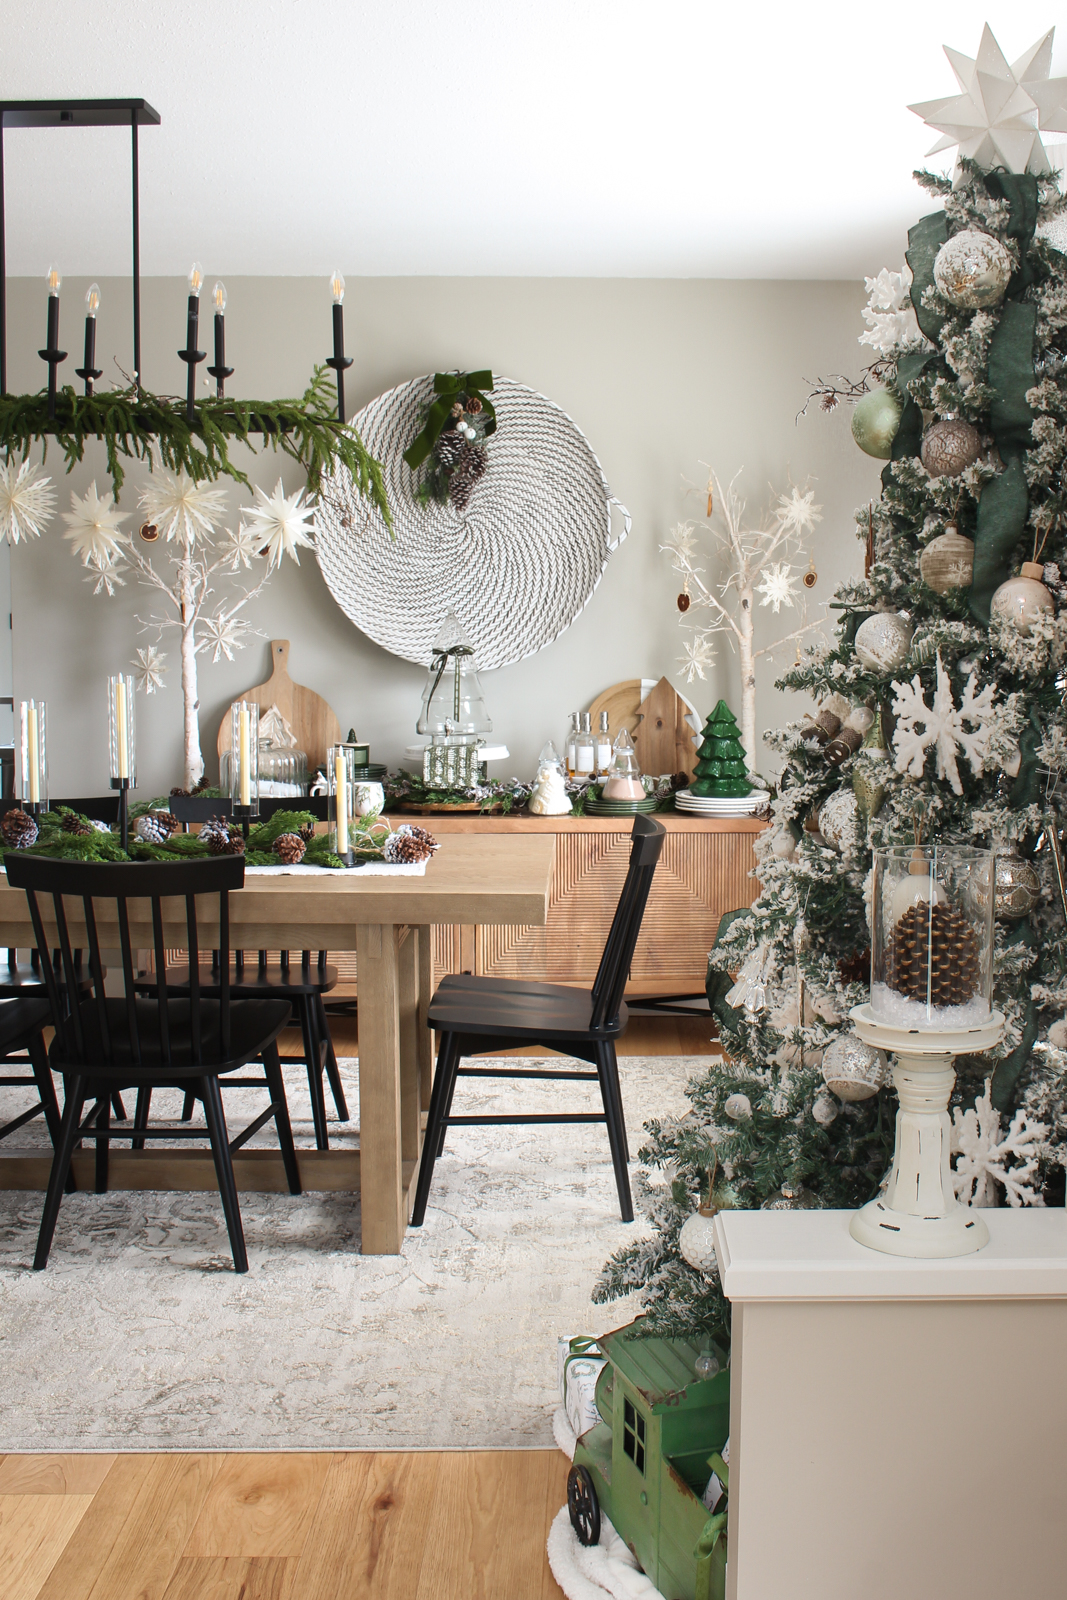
[
  {"x": 339, "y": 361},
  {"x": 88, "y": 371},
  {"x": 220, "y": 371},
  {"x": 51, "y": 352},
  {"x": 191, "y": 355}
]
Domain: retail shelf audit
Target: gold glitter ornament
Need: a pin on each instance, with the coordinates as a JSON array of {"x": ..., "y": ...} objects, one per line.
[{"x": 972, "y": 269}]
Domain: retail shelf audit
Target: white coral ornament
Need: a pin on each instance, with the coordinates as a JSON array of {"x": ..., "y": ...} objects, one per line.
[
  {"x": 27, "y": 501},
  {"x": 889, "y": 314},
  {"x": 982, "y": 1151},
  {"x": 944, "y": 727},
  {"x": 280, "y": 523}
]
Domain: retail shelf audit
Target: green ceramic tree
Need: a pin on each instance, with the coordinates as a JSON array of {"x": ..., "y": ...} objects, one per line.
[{"x": 720, "y": 768}]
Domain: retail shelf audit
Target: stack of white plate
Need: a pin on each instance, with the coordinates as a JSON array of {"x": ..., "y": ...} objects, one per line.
[{"x": 709, "y": 806}]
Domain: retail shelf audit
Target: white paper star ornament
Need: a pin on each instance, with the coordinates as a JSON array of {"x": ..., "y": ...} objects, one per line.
[{"x": 998, "y": 119}]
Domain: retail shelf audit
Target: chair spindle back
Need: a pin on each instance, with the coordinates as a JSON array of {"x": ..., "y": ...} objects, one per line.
[{"x": 646, "y": 844}]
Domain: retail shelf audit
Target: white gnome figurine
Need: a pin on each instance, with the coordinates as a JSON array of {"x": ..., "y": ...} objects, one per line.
[{"x": 549, "y": 797}]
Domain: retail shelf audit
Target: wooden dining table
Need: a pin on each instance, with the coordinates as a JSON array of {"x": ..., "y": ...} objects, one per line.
[{"x": 387, "y": 921}]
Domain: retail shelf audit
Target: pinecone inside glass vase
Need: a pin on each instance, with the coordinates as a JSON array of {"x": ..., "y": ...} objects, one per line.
[
  {"x": 18, "y": 829},
  {"x": 932, "y": 955},
  {"x": 289, "y": 848}
]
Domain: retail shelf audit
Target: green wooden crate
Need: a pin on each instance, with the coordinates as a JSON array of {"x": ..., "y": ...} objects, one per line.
[{"x": 647, "y": 1461}]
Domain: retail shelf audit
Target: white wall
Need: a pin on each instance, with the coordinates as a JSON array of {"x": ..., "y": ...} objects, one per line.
[{"x": 661, "y": 375}]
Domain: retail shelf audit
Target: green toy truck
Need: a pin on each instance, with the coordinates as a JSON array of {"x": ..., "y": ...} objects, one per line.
[{"x": 647, "y": 1462}]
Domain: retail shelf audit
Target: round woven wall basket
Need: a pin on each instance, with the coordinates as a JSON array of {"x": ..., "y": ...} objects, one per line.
[{"x": 516, "y": 567}]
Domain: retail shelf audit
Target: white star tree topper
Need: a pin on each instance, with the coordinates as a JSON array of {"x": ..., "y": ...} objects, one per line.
[
  {"x": 998, "y": 119},
  {"x": 749, "y": 554}
]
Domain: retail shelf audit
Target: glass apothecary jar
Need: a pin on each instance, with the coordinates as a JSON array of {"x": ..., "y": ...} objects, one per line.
[{"x": 932, "y": 936}]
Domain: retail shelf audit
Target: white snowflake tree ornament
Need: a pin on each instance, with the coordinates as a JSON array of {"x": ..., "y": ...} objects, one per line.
[
  {"x": 943, "y": 727},
  {"x": 779, "y": 588},
  {"x": 982, "y": 1151}
]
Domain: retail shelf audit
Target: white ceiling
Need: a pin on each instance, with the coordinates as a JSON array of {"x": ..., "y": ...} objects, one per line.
[{"x": 692, "y": 138}]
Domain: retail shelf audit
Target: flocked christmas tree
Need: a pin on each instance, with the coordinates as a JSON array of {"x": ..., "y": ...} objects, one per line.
[
  {"x": 956, "y": 640},
  {"x": 720, "y": 768}
]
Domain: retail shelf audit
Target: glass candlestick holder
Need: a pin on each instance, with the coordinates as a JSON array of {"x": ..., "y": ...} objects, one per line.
[
  {"x": 244, "y": 762},
  {"x": 33, "y": 778},
  {"x": 341, "y": 788},
  {"x": 122, "y": 745}
]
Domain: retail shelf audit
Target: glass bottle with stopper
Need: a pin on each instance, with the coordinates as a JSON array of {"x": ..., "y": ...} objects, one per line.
[
  {"x": 570, "y": 748},
  {"x": 453, "y": 711},
  {"x": 584, "y": 749},
  {"x": 603, "y": 746},
  {"x": 624, "y": 776}
]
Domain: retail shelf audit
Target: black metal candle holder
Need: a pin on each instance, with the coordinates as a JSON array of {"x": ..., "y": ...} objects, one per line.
[
  {"x": 244, "y": 815},
  {"x": 339, "y": 361},
  {"x": 123, "y": 787},
  {"x": 52, "y": 354},
  {"x": 33, "y": 808},
  {"x": 89, "y": 372},
  {"x": 220, "y": 371},
  {"x": 192, "y": 356}
]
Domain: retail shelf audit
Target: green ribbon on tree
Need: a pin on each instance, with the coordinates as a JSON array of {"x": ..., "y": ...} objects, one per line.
[
  {"x": 1019, "y": 189},
  {"x": 449, "y": 387},
  {"x": 924, "y": 241},
  {"x": 1005, "y": 500}
]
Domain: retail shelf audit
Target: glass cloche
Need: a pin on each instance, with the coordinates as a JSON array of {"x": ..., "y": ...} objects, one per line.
[{"x": 452, "y": 701}]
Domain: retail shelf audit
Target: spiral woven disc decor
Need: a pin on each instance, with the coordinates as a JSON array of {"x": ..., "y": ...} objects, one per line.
[{"x": 516, "y": 567}]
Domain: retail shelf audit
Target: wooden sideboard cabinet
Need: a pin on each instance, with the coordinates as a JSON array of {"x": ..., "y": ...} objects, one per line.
[{"x": 706, "y": 869}]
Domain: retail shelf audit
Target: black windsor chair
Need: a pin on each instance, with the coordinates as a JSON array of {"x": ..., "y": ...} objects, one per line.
[
  {"x": 22, "y": 1044},
  {"x": 102, "y": 1045},
  {"x": 483, "y": 1016}
]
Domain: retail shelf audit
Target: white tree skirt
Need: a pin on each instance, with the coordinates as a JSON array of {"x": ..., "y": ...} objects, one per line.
[{"x": 591, "y": 1572}]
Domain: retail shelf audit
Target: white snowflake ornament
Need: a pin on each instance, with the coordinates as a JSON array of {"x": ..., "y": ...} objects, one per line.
[
  {"x": 223, "y": 635},
  {"x": 180, "y": 507},
  {"x": 240, "y": 549},
  {"x": 27, "y": 500},
  {"x": 778, "y": 588},
  {"x": 93, "y": 530},
  {"x": 942, "y": 727},
  {"x": 699, "y": 653},
  {"x": 280, "y": 523},
  {"x": 150, "y": 669},
  {"x": 982, "y": 1151},
  {"x": 796, "y": 513}
]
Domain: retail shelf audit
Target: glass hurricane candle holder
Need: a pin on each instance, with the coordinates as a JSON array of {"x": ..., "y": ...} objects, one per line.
[
  {"x": 341, "y": 789},
  {"x": 244, "y": 760},
  {"x": 932, "y": 936},
  {"x": 34, "y": 773},
  {"x": 122, "y": 744}
]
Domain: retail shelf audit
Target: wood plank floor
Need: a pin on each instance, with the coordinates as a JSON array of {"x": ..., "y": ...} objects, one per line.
[{"x": 425, "y": 1525}]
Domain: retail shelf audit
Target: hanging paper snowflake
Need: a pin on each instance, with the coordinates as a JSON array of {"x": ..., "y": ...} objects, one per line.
[
  {"x": 180, "y": 507},
  {"x": 150, "y": 669},
  {"x": 982, "y": 1152},
  {"x": 240, "y": 549},
  {"x": 94, "y": 531},
  {"x": 27, "y": 501},
  {"x": 943, "y": 727},
  {"x": 699, "y": 653},
  {"x": 796, "y": 513},
  {"x": 280, "y": 522},
  {"x": 778, "y": 587},
  {"x": 223, "y": 635}
]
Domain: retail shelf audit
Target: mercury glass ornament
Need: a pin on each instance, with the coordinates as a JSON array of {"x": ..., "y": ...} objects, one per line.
[
  {"x": 883, "y": 641},
  {"x": 869, "y": 771},
  {"x": 824, "y": 1110},
  {"x": 948, "y": 561},
  {"x": 1018, "y": 887},
  {"x": 853, "y": 1070},
  {"x": 790, "y": 1199},
  {"x": 875, "y": 421},
  {"x": 950, "y": 447},
  {"x": 707, "y": 1364},
  {"x": 696, "y": 1241},
  {"x": 738, "y": 1106},
  {"x": 1024, "y": 599},
  {"x": 972, "y": 269},
  {"x": 839, "y": 822}
]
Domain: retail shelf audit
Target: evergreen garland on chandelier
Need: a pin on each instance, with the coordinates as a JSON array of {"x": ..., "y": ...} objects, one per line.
[{"x": 136, "y": 425}]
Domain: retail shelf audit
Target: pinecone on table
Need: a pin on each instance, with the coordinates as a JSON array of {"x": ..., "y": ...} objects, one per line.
[
  {"x": 289, "y": 848},
  {"x": 933, "y": 948},
  {"x": 472, "y": 464},
  {"x": 72, "y": 823},
  {"x": 156, "y": 827},
  {"x": 409, "y": 845},
  {"x": 222, "y": 838},
  {"x": 307, "y": 831},
  {"x": 18, "y": 829}
]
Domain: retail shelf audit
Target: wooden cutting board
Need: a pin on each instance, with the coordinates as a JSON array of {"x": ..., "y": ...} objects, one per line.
[
  {"x": 656, "y": 723},
  {"x": 313, "y": 722}
]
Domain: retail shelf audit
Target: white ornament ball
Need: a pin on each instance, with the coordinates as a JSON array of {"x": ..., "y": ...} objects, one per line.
[
  {"x": 738, "y": 1106},
  {"x": 1057, "y": 1034},
  {"x": 853, "y": 1070},
  {"x": 1022, "y": 600},
  {"x": 883, "y": 641},
  {"x": 824, "y": 1110},
  {"x": 948, "y": 562},
  {"x": 783, "y": 845},
  {"x": 972, "y": 269},
  {"x": 839, "y": 822},
  {"x": 950, "y": 447},
  {"x": 696, "y": 1242}
]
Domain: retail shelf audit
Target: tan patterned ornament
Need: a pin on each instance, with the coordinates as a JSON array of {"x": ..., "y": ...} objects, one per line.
[
  {"x": 950, "y": 447},
  {"x": 948, "y": 561}
]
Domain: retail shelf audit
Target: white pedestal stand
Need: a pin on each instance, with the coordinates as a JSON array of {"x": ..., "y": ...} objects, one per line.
[{"x": 918, "y": 1214}]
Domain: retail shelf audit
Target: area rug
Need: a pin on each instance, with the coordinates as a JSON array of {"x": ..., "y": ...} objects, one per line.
[{"x": 139, "y": 1336}]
